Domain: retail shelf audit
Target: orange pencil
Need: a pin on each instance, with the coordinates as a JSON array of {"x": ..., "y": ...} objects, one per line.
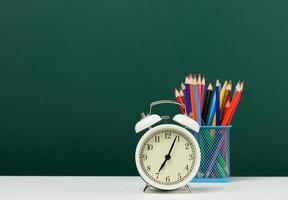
[
  {"x": 179, "y": 100},
  {"x": 231, "y": 110},
  {"x": 193, "y": 108}
]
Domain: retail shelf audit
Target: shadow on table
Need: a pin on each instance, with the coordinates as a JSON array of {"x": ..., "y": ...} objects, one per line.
[{"x": 194, "y": 190}]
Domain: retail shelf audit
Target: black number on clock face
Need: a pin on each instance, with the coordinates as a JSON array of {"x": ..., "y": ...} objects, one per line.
[
  {"x": 157, "y": 138},
  {"x": 168, "y": 135},
  {"x": 179, "y": 176},
  {"x": 148, "y": 168},
  {"x": 149, "y": 147},
  {"x": 167, "y": 178},
  {"x": 144, "y": 157},
  {"x": 191, "y": 156},
  {"x": 157, "y": 175}
]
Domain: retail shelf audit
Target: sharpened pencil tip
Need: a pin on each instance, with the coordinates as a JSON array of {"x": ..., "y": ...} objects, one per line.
[
  {"x": 242, "y": 85},
  {"x": 229, "y": 86},
  {"x": 203, "y": 80},
  {"x": 199, "y": 82},
  {"x": 176, "y": 92},
  {"x": 182, "y": 86},
  {"x": 210, "y": 87}
]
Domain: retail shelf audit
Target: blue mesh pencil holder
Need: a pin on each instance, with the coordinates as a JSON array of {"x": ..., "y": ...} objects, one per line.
[{"x": 214, "y": 145}]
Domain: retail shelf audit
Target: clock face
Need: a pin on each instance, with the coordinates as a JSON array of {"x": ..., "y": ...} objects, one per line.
[{"x": 167, "y": 157}]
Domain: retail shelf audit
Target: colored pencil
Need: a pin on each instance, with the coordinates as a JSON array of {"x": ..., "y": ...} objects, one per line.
[
  {"x": 234, "y": 103},
  {"x": 203, "y": 91},
  {"x": 214, "y": 117},
  {"x": 187, "y": 96},
  {"x": 207, "y": 100},
  {"x": 235, "y": 88},
  {"x": 183, "y": 88},
  {"x": 192, "y": 97},
  {"x": 217, "y": 90},
  {"x": 211, "y": 111},
  {"x": 226, "y": 98},
  {"x": 196, "y": 100},
  {"x": 224, "y": 147},
  {"x": 179, "y": 100},
  {"x": 222, "y": 93},
  {"x": 183, "y": 97},
  {"x": 226, "y": 107},
  {"x": 199, "y": 88}
]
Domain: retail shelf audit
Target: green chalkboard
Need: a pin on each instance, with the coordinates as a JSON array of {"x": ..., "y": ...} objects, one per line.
[{"x": 75, "y": 75}]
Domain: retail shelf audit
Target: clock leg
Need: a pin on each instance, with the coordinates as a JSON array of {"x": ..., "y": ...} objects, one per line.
[
  {"x": 188, "y": 188},
  {"x": 146, "y": 187}
]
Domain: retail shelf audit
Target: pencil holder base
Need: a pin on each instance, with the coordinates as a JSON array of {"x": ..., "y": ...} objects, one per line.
[
  {"x": 210, "y": 180},
  {"x": 215, "y": 154}
]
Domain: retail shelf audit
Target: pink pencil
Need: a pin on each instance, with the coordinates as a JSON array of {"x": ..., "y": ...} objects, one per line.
[
  {"x": 199, "y": 87},
  {"x": 203, "y": 91}
]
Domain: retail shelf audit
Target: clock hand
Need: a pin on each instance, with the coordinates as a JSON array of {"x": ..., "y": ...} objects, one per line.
[
  {"x": 162, "y": 164},
  {"x": 172, "y": 146},
  {"x": 167, "y": 157}
]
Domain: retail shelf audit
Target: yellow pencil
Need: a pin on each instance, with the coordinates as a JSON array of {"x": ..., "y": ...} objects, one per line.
[{"x": 222, "y": 93}]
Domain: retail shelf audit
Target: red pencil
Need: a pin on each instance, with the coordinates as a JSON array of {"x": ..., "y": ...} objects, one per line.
[
  {"x": 231, "y": 110},
  {"x": 182, "y": 97},
  {"x": 183, "y": 88},
  {"x": 179, "y": 100},
  {"x": 227, "y": 105},
  {"x": 234, "y": 109}
]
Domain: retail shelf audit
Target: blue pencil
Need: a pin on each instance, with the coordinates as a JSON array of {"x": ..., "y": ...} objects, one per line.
[
  {"x": 218, "y": 114},
  {"x": 211, "y": 112},
  {"x": 187, "y": 96}
]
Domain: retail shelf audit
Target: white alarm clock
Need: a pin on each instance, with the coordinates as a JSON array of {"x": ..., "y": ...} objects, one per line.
[{"x": 167, "y": 155}]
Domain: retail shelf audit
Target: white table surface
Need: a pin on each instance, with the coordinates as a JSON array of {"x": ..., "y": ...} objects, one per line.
[{"x": 130, "y": 188}]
